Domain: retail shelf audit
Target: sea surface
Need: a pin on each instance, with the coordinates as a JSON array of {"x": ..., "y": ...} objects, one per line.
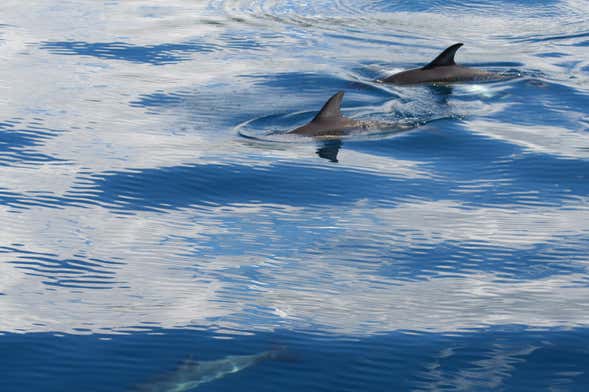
[{"x": 151, "y": 230}]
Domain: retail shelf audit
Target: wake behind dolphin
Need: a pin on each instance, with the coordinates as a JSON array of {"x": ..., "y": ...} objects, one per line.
[
  {"x": 193, "y": 374},
  {"x": 443, "y": 69}
]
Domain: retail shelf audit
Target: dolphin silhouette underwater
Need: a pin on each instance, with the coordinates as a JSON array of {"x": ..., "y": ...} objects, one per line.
[
  {"x": 443, "y": 69},
  {"x": 329, "y": 123},
  {"x": 192, "y": 374}
]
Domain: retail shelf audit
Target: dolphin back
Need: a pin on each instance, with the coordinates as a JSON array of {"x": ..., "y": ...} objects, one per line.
[{"x": 443, "y": 69}]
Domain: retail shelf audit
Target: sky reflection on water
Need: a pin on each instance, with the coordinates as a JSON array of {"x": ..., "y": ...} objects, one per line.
[{"x": 139, "y": 227}]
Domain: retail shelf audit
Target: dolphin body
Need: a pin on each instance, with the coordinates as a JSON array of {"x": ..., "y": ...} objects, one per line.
[
  {"x": 192, "y": 374},
  {"x": 330, "y": 124},
  {"x": 443, "y": 69}
]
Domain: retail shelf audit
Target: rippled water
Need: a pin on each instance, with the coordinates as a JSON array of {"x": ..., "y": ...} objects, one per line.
[{"x": 151, "y": 231}]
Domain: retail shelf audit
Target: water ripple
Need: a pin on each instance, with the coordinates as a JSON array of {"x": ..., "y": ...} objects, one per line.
[
  {"x": 79, "y": 272},
  {"x": 141, "y": 232},
  {"x": 151, "y": 54},
  {"x": 19, "y": 145}
]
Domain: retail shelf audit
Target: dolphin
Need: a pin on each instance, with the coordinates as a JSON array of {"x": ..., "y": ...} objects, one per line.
[
  {"x": 443, "y": 69},
  {"x": 330, "y": 124},
  {"x": 191, "y": 374}
]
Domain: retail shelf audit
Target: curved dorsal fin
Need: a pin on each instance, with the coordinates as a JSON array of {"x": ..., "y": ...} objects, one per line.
[
  {"x": 445, "y": 58},
  {"x": 331, "y": 109}
]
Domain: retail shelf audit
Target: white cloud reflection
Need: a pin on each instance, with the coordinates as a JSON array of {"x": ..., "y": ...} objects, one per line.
[
  {"x": 160, "y": 282},
  {"x": 558, "y": 141}
]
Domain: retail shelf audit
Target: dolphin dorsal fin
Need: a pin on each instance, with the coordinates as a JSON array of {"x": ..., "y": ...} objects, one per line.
[
  {"x": 445, "y": 58},
  {"x": 331, "y": 109}
]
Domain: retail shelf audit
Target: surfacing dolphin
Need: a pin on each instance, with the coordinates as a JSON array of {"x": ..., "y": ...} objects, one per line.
[
  {"x": 192, "y": 374},
  {"x": 443, "y": 69},
  {"x": 330, "y": 124}
]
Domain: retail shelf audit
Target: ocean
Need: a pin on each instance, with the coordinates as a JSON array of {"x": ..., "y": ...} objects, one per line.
[{"x": 161, "y": 232}]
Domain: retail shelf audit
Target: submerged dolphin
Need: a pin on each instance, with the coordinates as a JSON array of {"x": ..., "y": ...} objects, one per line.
[
  {"x": 442, "y": 69},
  {"x": 192, "y": 374},
  {"x": 329, "y": 122}
]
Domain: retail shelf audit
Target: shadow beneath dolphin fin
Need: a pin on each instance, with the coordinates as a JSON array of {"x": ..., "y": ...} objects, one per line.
[
  {"x": 329, "y": 150},
  {"x": 441, "y": 92}
]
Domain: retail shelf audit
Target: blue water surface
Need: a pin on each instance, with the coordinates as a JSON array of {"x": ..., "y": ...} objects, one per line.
[{"x": 161, "y": 232}]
